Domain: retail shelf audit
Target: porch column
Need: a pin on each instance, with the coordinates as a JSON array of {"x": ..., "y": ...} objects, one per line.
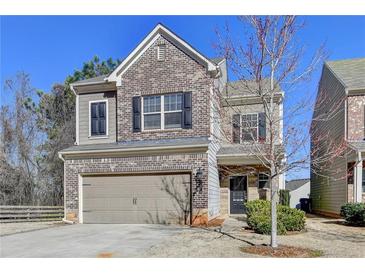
[{"x": 358, "y": 182}]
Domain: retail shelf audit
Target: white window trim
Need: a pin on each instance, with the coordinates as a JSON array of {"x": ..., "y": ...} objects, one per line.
[
  {"x": 257, "y": 128},
  {"x": 107, "y": 120},
  {"x": 161, "y": 112}
]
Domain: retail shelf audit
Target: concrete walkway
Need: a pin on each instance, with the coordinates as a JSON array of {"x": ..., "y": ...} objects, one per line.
[{"x": 86, "y": 240}]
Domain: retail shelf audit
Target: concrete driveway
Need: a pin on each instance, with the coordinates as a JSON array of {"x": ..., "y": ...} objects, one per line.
[{"x": 87, "y": 240}]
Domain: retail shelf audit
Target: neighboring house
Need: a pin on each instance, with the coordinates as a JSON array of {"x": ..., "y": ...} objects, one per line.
[
  {"x": 298, "y": 189},
  {"x": 149, "y": 146},
  {"x": 339, "y": 115}
]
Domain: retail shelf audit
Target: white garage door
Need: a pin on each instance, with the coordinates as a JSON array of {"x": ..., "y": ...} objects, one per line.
[{"x": 162, "y": 199}]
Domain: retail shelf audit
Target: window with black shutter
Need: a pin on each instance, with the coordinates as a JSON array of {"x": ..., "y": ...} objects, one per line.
[
  {"x": 169, "y": 111},
  {"x": 249, "y": 127},
  {"x": 98, "y": 118}
]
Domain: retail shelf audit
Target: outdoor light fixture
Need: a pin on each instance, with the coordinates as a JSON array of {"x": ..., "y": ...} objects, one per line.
[{"x": 199, "y": 179}]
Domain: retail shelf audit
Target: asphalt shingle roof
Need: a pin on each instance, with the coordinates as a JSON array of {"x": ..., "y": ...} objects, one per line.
[
  {"x": 245, "y": 88},
  {"x": 96, "y": 80},
  {"x": 217, "y": 60},
  {"x": 140, "y": 144},
  {"x": 295, "y": 184},
  {"x": 351, "y": 72},
  {"x": 360, "y": 145}
]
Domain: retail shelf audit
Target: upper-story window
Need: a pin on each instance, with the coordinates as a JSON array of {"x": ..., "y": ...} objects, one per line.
[
  {"x": 249, "y": 127},
  {"x": 163, "y": 111},
  {"x": 152, "y": 112},
  {"x": 98, "y": 118},
  {"x": 159, "y": 112}
]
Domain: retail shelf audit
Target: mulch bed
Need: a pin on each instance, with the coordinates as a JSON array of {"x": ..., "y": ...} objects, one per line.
[
  {"x": 288, "y": 233},
  {"x": 282, "y": 251}
]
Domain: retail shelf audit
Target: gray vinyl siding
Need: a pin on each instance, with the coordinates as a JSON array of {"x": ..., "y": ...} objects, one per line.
[
  {"x": 213, "y": 181},
  {"x": 214, "y": 146},
  {"x": 328, "y": 185},
  {"x": 84, "y": 119}
]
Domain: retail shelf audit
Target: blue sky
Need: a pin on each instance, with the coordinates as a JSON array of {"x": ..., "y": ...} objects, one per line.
[{"x": 51, "y": 47}]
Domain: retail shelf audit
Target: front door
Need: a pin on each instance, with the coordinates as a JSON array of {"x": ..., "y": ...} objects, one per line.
[{"x": 238, "y": 194}]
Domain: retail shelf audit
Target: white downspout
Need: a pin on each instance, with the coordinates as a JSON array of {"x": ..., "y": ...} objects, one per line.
[{"x": 358, "y": 179}]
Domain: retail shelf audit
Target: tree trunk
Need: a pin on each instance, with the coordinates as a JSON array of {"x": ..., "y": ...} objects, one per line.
[{"x": 274, "y": 198}]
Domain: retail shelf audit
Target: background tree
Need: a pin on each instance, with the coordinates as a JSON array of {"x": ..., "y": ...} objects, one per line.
[
  {"x": 33, "y": 131},
  {"x": 20, "y": 141},
  {"x": 57, "y": 119},
  {"x": 266, "y": 57}
]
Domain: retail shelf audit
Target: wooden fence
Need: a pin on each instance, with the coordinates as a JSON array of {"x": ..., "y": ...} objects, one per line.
[{"x": 10, "y": 214}]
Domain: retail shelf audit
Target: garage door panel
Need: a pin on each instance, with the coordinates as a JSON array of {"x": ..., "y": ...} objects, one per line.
[
  {"x": 136, "y": 199},
  {"x": 106, "y": 191},
  {"x": 110, "y": 203},
  {"x": 110, "y": 217},
  {"x": 160, "y": 204}
]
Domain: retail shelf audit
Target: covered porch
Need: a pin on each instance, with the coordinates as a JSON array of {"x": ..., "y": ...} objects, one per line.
[
  {"x": 356, "y": 173},
  {"x": 242, "y": 179}
]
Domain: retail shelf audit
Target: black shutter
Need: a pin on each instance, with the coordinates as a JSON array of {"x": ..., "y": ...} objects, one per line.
[
  {"x": 136, "y": 104},
  {"x": 262, "y": 127},
  {"x": 94, "y": 119},
  {"x": 187, "y": 112},
  {"x": 236, "y": 130},
  {"x": 102, "y": 119}
]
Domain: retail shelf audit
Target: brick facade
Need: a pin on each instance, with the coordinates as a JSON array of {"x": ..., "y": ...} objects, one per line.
[
  {"x": 178, "y": 73},
  {"x": 136, "y": 164},
  {"x": 356, "y": 105}
]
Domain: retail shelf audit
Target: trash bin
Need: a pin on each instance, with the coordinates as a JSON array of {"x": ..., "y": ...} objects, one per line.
[{"x": 306, "y": 204}]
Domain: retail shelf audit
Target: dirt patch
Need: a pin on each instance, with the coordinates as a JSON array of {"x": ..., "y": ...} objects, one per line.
[
  {"x": 105, "y": 255},
  {"x": 212, "y": 223},
  {"x": 283, "y": 251}
]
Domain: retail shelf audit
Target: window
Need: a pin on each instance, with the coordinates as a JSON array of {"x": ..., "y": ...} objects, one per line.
[
  {"x": 173, "y": 110},
  {"x": 98, "y": 118},
  {"x": 152, "y": 112},
  {"x": 249, "y": 127},
  {"x": 263, "y": 180},
  {"x": 162, "y": 112}
]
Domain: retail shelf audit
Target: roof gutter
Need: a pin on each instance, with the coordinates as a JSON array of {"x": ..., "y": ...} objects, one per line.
[{"x": 113, "y": 150}]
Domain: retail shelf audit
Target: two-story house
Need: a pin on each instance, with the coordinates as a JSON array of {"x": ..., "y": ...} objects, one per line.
[
  {"x": 339, "y": 117},
  {"x": 148, "y": 140}
]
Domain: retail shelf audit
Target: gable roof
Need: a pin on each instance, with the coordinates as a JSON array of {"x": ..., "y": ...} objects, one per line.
[
  {"x": 350, "y": 72},
  {"x": 244, "y": 88},
  {"x": 91, "y": 81},
  {"x": 295, "y": 184},
  {"x": 149, "y": 40}
]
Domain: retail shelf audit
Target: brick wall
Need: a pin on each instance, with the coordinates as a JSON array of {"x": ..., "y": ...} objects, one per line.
[
  {"x": 178, "y": 73},
  {"x": 355, "y": 111},
  {"x": 165, "y": 163}
]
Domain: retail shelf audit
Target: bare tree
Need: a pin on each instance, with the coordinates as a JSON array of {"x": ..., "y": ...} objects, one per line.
[
  {"x": 20, "y": 140},
  {"x": 267, "y": 59}
]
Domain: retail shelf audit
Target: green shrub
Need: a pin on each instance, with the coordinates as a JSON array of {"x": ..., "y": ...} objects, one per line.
[
  {"x": 354, "y": 213},
  {"x": 284, "y": 197},
  {"x": 259, "y": 217},
  {"x": 293, "y": 219}
]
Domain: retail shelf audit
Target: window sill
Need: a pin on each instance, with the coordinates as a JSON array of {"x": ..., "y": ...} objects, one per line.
[
  {"x": 162, "y": 130},
  {"x": 98, "y": 137}
]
